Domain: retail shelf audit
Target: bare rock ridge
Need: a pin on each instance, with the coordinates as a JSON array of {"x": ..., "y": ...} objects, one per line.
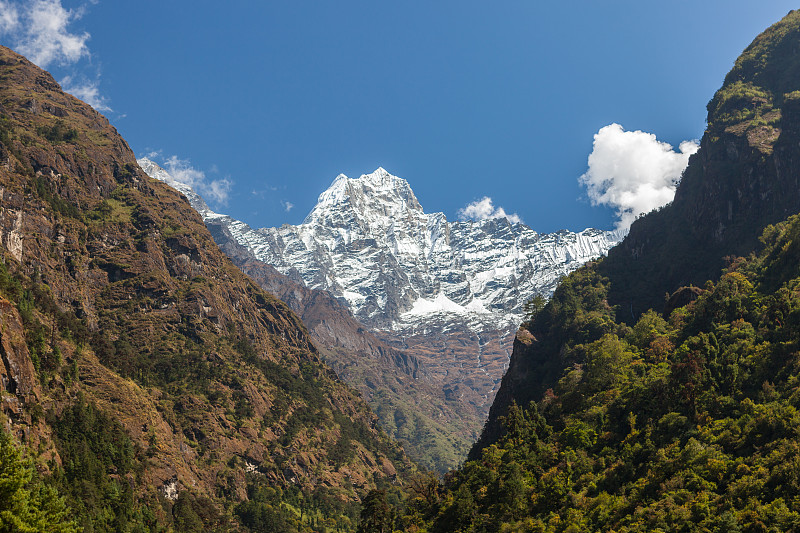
[{"x": 449, "y": 295}]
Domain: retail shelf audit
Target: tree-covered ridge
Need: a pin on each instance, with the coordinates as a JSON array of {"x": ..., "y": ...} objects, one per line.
[
  {"x": 742, "y": 179},
  {"x": 685, "y": 422}
]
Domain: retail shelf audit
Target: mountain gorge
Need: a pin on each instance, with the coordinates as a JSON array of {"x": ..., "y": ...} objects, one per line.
[
  {"x": 148, "y": 384},
  {"x": 156, "y": 385},
  {"x": 443, "y": 298}
]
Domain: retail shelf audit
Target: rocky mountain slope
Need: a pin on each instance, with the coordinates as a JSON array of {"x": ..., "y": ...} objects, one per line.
[
  {"x": 156, "y": 383},
  {"x": 744, "y": 177}
]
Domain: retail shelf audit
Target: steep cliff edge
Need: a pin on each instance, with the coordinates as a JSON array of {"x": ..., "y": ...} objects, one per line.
[
  {"x": 745, "y": 176},
  {"x": 117, "y": 301}
]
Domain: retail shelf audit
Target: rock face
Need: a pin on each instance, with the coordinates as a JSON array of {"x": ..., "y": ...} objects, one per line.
[
  {"x": 745, "y": 176},
  {"x": 448, "y": 294}
]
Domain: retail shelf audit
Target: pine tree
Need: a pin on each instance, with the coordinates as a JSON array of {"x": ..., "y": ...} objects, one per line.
[
  {"x": 376, "y": 515},
  {"x": 26, "y": 504}
]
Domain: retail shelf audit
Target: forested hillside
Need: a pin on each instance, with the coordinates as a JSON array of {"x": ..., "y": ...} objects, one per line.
[
  {"x": 681, "y": 422},
  {"x": 644, "y": 397}
]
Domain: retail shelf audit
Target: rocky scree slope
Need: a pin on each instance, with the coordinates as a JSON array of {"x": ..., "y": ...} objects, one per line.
[
  {"x": 410, "y": 405},
  {"x": 450, "y": 294},
  {"x": 745, "y": 176},
  {"x": 114, "y": 295}
]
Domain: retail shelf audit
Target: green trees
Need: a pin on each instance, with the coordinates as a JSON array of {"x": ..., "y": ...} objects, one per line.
[
  {"x": 376, "y": 515},
  {"x": 688, "y": 422},
  {"x": 26, "y": 504}
]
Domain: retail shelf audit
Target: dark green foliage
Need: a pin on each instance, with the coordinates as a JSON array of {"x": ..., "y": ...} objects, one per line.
[
  {"x": 193, "y": 514},
  {"x": 100, "y": 464},
  {"x": 45, "y": 190},
  {"x": 533, "y": 307},
  {"x": 263, "y": 511},
  {"x": 269, "y": 509},
  {"x": 58, "y": 132},
  {"x": 689, "y": 423},
  {"x": 376, "y": 515},
  {"x": 26, "y": 504}
]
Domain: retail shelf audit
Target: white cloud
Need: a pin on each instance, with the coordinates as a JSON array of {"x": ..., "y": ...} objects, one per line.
[
  {"x": 484, "y": 209},
  {"x": 39, "y": 30},
  {"x": 633, "y": 172},
  {"x": 216, "y": 191},
  {"x": 9, "y": 18},
  {"x": 287, "y": 206},
  {"x": 86, "y": 91}
]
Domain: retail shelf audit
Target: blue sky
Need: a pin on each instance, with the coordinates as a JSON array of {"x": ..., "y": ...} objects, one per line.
[{"x": 269, "y": 101}]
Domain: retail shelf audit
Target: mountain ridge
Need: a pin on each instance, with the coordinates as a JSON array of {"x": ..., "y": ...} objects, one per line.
[
  {"x": 121, "y": 315},
  {"x": 446, "y": 295},
  {"x": 743, "y": 178},
  {"x": 682, "y": 416}
]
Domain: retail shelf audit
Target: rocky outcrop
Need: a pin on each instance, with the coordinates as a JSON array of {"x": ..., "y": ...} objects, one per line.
[{"x": 745, "y": 176}]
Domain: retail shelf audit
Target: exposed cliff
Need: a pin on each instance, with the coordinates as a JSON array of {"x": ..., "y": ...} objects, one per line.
[{"x": 745, "y": 175}]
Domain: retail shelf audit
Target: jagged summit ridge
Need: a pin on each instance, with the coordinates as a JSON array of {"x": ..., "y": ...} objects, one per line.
[
  {"x": 369, "y": 242},
  {"x": 378, "y": 193}
]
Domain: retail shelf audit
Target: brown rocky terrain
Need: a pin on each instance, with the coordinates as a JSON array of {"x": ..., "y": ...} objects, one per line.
[{"x": 115, "y": 294}]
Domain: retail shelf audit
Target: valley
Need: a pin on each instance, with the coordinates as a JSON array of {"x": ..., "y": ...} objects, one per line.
[
  {"x": 378, "y": 368},
  {"x": 439, "y": 301}
]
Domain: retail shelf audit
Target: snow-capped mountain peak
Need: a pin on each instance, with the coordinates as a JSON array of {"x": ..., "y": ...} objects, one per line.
[
  {"x": 372, "y": 199},
  {"x": 417, "y": 279},
  {"x": 369, "y": 242}
]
